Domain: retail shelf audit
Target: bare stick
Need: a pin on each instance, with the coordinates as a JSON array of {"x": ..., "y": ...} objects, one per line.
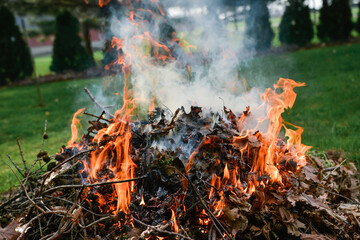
[
  {"x": 35, "y": 218},
  {"x": 10, "y": 200},
  {"x": 26, "y": 193},
  {"x": 43, "y": 139},
  {"x": 21, "y": 153},
  {"x": 46, "y": 175},
  {"x": 98, "y": 104},
  {"x": 79, "y": 205},
  {"x": 94, "y": 184},
  {"x": 97, "y": 221},
  {"x": 161, "y": 231},
  {"x": 16, "y": 166},
  {"x": 216, "y": 222},
  {"x": 66, "y": 161},
  {"x": 332, "y": 169},
  {"x": 102, "y": 118}
]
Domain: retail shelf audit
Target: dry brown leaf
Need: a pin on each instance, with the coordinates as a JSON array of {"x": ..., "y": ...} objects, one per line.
[
  {"x": 309, "y": 199},
  {"x": 313, "y": 237},
  {"x": 309, "y": 173},
  {"x": 318, "y": 161},
  {"x": 9, "y": 232},
  {"x": 293, "y": 228},
  {"x": 235, "y": 220}
]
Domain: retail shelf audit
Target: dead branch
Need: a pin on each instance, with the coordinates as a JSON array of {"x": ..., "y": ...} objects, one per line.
[
  {"x": 160, "y": 231},
  {"x": 94, "y": 184},
  {"x": 101, "y": 117},
  {"x": 97, "y": 103},
  {"x": 16, "y": 166},
  {"x": 35, "y": 218},
  {"x": 25, "y": 191},
  {"x": 22, "y": 154},
  {"x": 43, "y": 139},
  {"x": 97, "y": 221}
]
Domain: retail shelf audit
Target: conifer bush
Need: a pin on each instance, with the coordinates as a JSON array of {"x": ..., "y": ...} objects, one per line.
[
  {"x": 259, "y": 33},
  {"x": 358, "y": 21},
  {"x": 325, "y": 22},
  {"x": 15, "y": 57},
  {"x": 296, "y": 26},
  {"x": 68, "y": 53},
  {"x": 340, "y": 20}
]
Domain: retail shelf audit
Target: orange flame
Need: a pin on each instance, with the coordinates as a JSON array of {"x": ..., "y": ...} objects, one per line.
[
  {"x": 173, "y": 219},
  {"x": 152, "y": 105},
  {"x": 74, "y": 130}
]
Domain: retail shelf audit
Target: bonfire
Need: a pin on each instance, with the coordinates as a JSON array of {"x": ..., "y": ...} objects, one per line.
[{"x": 192, "y": 173}]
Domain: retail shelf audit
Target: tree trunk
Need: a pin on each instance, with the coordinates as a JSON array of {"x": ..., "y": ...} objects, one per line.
[
  {"x": 37, "y": 83},
  {"x": 87, "y": 39},
  {"x": 235, "y": 18}
]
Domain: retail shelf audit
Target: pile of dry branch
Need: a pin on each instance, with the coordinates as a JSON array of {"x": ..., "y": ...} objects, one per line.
[{"x": 169, "y": 201}]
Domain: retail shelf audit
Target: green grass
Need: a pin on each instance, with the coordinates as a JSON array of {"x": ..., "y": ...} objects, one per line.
[
  {"x": 22, "y": 117},
  {"x": 329, "y": 106},
  {"x": 42, "y": 64}
]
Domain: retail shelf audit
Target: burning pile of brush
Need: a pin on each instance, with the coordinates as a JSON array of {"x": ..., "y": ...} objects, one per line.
[{"x": 187, "y": 174}]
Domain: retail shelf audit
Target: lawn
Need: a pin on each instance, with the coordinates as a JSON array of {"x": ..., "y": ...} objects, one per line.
[
  {"x": 328, "y": 107},
  {"x": 42, "y": 64}
]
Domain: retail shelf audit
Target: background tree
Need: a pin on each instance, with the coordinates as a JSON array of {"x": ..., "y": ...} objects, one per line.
[
  {"x": 358, "y": 20},
  {"x": 88, "y": 12},
  {"x": 340, "y": 20},
  {"x": 68, "y": 53},
  {"x": 259, "y": 33},
  {"x": 296, "y": 26},
  {"x": 325, "y": 22},
  {"x": 15, "y": 57}
]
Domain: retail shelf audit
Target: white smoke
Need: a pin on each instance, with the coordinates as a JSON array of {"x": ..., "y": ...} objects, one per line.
[{"x": 214, "y": 65}]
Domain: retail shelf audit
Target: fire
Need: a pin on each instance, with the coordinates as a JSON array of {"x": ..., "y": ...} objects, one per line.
[
  {"x": 173, "y": 220},
  {"x": 152, "y": 105},
  {"x": 103, "y": 3},
  {"x": 111, "y": 159},
  {"x": 74, "y": 130}
]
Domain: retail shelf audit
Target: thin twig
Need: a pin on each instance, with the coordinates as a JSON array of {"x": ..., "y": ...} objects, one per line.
[
  {"x": 161, "y": 231},
  {"x": 26, "y": 193},
  {"x": 97, "y": 221},
  {"x": 22, "y": 154},
  {"x": 10, "y": 200},
  {"x": 16, "y": 166},
  {"x": 46, "y": 175},
  {"x": 98, "y": 104},
  {"x": 102, "y": 118},
  {"x": 94, "y": 184},
  {"x": 43, "y": 139},
  {"x": 35, "y": 218},
  {"x": 79, "y": 205},
  {"x": 216, "y": 222},
  {"x": 332, "y": 169}
]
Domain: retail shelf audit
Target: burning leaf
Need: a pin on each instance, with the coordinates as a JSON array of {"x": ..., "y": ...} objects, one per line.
[{"x": 9, "y": 232}]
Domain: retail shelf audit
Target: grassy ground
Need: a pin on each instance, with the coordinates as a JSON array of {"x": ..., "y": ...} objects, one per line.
[{"x": 42, "y": 64}]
